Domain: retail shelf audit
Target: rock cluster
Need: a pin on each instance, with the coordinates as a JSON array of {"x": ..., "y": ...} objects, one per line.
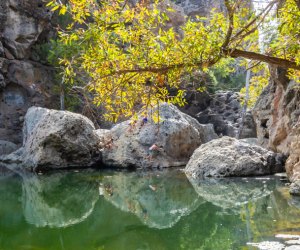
[
  {"x": 61, "y": 139},
  {"x": 225, "y": 113},
  {"x": 227, "y": 157}
]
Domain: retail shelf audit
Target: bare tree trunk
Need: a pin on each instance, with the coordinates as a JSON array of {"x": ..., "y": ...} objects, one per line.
[
  {"x": 244, "y": 110},
  {"x": 62, "y": 95}
]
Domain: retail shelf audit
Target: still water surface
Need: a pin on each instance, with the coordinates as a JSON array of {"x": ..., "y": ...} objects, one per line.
[{"x": 141, "y": 210}]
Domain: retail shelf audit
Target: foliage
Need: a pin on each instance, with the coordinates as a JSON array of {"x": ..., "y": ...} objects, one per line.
[
  {"x": 258, "y": 82},
  {"x": 287, "y": 45},
  {"x": 129, "y": 54}
]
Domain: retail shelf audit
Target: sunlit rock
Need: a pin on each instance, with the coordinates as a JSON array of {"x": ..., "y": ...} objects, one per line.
[
  {"x": 56, "y": 139},
  {"x": 177, "y": 134},
  {"x": 157, "y": 198},
  {"x": 227, "y": 157},
  {"x": 268, "y": 245}
]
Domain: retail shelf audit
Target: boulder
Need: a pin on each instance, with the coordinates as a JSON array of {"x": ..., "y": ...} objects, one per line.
[
  {"x": 177, "y": 134},
  {"x": 231, "y": 157},
  {"x": 56, "y": 139}
]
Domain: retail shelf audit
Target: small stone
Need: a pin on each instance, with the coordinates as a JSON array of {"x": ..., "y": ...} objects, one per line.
[
  {"x": 8, "y": 55},
  {"x": 268, "y": 245},
  {"x": 295, "y": 188}
]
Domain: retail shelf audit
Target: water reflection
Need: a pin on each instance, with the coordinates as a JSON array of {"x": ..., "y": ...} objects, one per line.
[
  {"x": 230, "y": 193},
  {"x": 159, "y": 199},
  {"x": 57, "y": 200},
  {"x": 141, "y": 210}
]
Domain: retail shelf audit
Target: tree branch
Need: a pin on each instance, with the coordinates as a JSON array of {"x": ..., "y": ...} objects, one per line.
[
  {"x": 298, "y": 3},
  {"x": 283, "y": 63},
  {"x": 230, "y": 27},
  {"x": 262, "y": 13}
]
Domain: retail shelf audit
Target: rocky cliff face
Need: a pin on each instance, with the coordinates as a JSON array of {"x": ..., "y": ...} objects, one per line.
[
  {"x": 199, "y": 7},
  {"x": 24, "y": 80},
  {"x": 277, "y": 111},
  {"x": 222, "y": 109},
  {"x": 277, "y": 117}
]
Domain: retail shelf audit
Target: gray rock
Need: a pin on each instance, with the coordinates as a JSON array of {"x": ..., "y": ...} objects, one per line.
[
  {"x": 294, "y": 247},
  {"x": 224, "y": 111},
  {"x": 177, "y": 133},
  {"x": 7, "y": 147},
  {"x": 295, "y": 188},
  {"x": 56, "y": 139},
  {"x": 268, "y": 245},
  {"x": 24, "y": 22},
  {"x": 230, "y": 157}
]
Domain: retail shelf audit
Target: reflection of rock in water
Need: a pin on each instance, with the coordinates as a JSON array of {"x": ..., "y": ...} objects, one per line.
[
  {"x": 159, "y": 199},
  {"x": 233, "y": 192},
  {"x": 5, "y": 172},
  {"x": 57, "y": 200}
]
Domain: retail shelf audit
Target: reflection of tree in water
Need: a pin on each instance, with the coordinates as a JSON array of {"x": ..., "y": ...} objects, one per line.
[
  {"x": 159, "y": 199},
  {"x": 208, "y": 229},
  {"x": 276, "y": 214},
  {"x": 57, "y": 200}
]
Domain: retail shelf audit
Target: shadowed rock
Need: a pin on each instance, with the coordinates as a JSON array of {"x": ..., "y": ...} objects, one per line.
[{"x": 7, "y": 147}]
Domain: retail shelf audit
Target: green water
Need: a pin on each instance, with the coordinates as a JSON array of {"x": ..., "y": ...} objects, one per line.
[{"x": 141, "y": 210}]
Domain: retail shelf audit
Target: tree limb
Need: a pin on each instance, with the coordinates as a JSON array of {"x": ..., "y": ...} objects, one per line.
[
  {"x": 230, "y": 27},
  {"x": 283, "y": 63},
  {"x": 266, "y": 9}
]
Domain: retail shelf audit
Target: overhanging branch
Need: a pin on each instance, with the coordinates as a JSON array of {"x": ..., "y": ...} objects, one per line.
[{"x": 283, "y": 63}]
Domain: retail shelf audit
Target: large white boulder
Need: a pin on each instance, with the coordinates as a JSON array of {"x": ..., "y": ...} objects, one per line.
[
  {"x": 231, "y": 157},
  {"x": 177, "y": 134},
  {"x": 56, "y": 139}
]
